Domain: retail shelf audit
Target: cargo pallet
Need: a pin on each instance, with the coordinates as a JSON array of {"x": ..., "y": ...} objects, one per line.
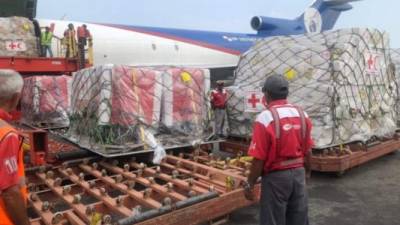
[
  {"x": 352, "y": 155},
  {"x": 178, "y": 192},
  {"x": 336, "y": 159},
  {"x": 189, "y": 187}
]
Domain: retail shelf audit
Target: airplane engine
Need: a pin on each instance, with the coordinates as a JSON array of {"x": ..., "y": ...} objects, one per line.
[{"x": 263, "y": 23}]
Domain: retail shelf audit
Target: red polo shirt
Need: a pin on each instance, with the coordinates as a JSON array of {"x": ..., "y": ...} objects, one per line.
[
  {"x": 219, "y": 98},
  {"x": 264, "y": 143}
]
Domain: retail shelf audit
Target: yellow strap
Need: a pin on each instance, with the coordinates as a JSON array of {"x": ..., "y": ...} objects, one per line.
[
  {"x": 95, "y": 219},
  {"x": 90, "y": 52},
  {"x": 71, "y": 44},
  {"x": 185, "y": 78},
  {"x": 230, "y": 183}
]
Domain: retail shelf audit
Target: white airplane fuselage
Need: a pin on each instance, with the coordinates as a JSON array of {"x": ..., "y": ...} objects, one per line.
[
  {"x": 122, "y": 46},
  {"x": 151, "y": 46}
]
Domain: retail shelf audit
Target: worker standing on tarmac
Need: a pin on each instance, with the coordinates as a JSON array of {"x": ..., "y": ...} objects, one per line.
[
  {"x": 45, "y": 41},
  {"x": 70, "y": 41},
  {"x": 219, "y": 98},
  {"x": 13, "y": 197},
  {"x": 281, "y": 147}
]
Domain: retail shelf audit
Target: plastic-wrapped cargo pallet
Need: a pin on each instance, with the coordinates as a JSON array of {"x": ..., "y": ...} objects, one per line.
[
  {"x": 395, "y": 56},
  {"x": 17, "y": 37},
  {"x": 45, "y": 101},
  {"x": 340, "y": 78},
  {"x": 112, "y": 105},
  {"x": 185, "y": 103},
  {"x": 120, "y": 109}
]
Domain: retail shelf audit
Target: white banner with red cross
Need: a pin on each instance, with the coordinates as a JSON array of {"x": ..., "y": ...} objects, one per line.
[
  {"x": 15, "y": 46},
  {"x": 373, "y": 62},
  {"x": 254, "y": 101}
]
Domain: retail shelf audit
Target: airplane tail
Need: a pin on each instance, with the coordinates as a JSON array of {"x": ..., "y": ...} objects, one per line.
[{"x": 323, "y": 14}]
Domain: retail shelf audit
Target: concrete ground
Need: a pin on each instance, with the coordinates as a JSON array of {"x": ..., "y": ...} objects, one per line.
[{"x": 366, "y": 195}]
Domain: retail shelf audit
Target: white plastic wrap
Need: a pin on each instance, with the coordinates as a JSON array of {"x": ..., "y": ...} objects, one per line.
[
  {"x": 121, "y": 109},
  {"x": 17, "y": 37},
  {"x": 45, "y": 101},
  {"x": 340, "y": 78}
]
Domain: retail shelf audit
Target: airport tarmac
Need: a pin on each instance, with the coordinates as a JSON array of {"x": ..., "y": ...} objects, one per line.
[{"x": 366, "y": 195}]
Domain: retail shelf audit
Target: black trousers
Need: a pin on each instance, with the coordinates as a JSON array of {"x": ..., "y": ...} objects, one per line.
[{"x": 284, "y": 199}]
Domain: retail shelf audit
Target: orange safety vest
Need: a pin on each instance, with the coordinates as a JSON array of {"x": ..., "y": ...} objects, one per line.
[{"x": 6, "y": 129}]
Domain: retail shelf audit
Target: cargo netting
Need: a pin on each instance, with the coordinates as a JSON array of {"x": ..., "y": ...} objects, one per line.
[
  {"x": 17, "y": 37},
  {"x": 395, "y": 67},
  {"x": 45, "y": 101},
  {"x": 117, "y": 110},
  {"x": 341, "y": 78}
]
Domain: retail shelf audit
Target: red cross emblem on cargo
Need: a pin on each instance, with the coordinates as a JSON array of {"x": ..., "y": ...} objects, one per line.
[
  {"x": 253, "y": 100},
  {"x": 372, "y": 62},
  {"x": 15, "y": 46}
]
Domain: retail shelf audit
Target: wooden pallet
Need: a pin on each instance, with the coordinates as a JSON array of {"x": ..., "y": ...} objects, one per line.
[{"x": 359, "y": 155}]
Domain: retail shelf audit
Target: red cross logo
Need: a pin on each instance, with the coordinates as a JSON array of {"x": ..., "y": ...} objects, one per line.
[
  {"x": 253, "y": 100},
  {"x": 12, "y": 45},
  {"x": 372, "y": 62}
]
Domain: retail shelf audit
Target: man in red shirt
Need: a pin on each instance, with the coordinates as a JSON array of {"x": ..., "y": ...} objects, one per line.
[
  {"x": 281, "y": 147},
  {"x": 12, "y": 188},
  {"x": 218, "y": 103},
  {"x": 83, "y": 35}
]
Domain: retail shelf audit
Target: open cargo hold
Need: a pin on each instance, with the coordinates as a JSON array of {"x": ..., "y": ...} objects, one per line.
[
  {"x": 340, "y": 78},
  {"x": 117, "y": 109},
  {"x": 45, "y": 101},
  {"x": 17, "y": 37}
]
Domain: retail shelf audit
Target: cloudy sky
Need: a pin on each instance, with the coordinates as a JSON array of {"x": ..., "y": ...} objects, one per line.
[{"x": 217, "y": 15}]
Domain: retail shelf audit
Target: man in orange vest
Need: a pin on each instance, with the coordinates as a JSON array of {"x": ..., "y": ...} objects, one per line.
[{"x": 13, "y": 195}]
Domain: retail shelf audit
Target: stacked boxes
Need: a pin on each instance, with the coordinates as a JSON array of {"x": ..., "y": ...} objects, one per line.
[
  {"x": 185, "y": 102},
  {"x": 114, "y": 108},
  {"x": 111, "y": 104},
  {"x": 45, "y": 101}
]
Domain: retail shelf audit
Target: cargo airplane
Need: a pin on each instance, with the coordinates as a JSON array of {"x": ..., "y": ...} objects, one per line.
[{"x": 150, "y": 46}]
